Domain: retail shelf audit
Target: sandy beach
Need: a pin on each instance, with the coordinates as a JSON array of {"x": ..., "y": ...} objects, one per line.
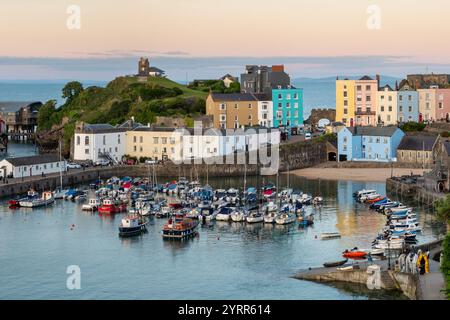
[{"x": 354, "y": 174}]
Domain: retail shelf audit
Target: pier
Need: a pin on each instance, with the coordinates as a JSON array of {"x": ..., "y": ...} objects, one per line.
[{"x": 413, "y": 286}]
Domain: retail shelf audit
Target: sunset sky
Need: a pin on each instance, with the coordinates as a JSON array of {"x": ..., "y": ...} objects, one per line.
[{"x": 211, "y": 37}]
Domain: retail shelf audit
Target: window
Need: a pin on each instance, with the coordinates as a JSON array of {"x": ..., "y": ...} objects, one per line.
[
  {"x": 382, "y": 97},
  {"x": 368, "y": 98},
  {"x": 134, "y": 148},
  {"x": 164, "y": 140},
  {"x": 388, "y": 117},
  {"x": 368, "y": 88},
  {"x": 390, "y": 108},
  {"x": 223, "y": 117},
  {"x": 86, "y": 141},
  {"x": 140, "y": 149},
  {"x": 288, "y": 96},
  {"x": 115, "y": 149},
  {"x": 400, "y": 108},
  {"x": 409, "y": 97},
  {"x": 235, "y": 105},
  {"x": 390, "y": 98},
  {"x": 223, "y": 106},
  {"x": 358, "y": 88},
  {"x": 172, "y": 140},
  {"x": 345, "y": 94},
  {"x": 134, "y": 139},
  {"x": 280, "y": 96},
  {"x": 104, "y": 140},
  {"x": 400, "y": 97},
  {"x": 155, "y": 140},
  {"x": 118, "y": 139},
  {"x": 410, "y": 109},
  {"x": 296, "y": 105},
  {"x": 345, "y": 111},
  {"x": 249, "y": 105},
  {"x": 382, "y": 108},
  {"x": 288, "y": 104},
  {"x": 78, "y": 140},
  {"x": 345, "y": 103},
  {"x": 295, "y": 95},
  {"x": 141, "y": 139}
]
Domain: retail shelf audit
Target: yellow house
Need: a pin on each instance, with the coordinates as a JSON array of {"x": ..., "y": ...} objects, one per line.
[
  {"x": 155, "y": 143},
  {"x": 345, "y": 101},
  {"x": 232, "y": 110}
]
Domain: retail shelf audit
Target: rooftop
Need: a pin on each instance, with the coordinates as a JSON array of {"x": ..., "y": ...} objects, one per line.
[
  {"x": 32, "y": 160},
  {"x": 14, "y": 106},
  {"x": 373, "y": 131},
  {"x": 424, "y": 143},
  {"x": 233, "y": 97}
]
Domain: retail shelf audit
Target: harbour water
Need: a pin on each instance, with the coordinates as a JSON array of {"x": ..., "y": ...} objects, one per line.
[{"x": 226, "y": 261}]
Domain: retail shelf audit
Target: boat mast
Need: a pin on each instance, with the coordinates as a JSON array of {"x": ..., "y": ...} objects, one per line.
[
  {"x": 245, "y": 182},
  {"x": 60, "y": 169}
]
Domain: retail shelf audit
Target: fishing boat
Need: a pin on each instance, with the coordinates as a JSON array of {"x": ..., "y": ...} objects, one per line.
[
  {"x": 232, "y": 195},
  {"x": 330, "y": 235},
  {"x": 335, "y": 263},
  {"x": 92, "y": 205},
  {"x": 132, "y": 225},
  {"x": 112, "y": 206},
  {"x": 179, "y": 227},
  {"x": 363, "y": 192},
  {"x": 45, "y": 200},
  {"x": 163, "y": 212},
  {"x": 31, "y": 194},
  {"x": 317, "y": 200}
]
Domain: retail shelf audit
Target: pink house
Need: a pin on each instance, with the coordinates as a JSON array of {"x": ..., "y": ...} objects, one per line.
[
  {"x": 366, "y": 90},
  {"x": 442, "y": 104}
]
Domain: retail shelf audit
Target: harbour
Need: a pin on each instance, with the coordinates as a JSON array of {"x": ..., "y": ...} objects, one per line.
[{"x": 226, "y": 260}]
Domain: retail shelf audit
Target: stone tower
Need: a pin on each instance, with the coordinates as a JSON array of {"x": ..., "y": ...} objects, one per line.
[{"x": 144, "y": 67}]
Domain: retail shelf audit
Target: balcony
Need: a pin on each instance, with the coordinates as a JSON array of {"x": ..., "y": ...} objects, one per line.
[{"x": 365, "y": 113}]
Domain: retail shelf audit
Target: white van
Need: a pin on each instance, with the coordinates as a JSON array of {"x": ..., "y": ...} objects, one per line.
[{"x": 307, "y": 136}]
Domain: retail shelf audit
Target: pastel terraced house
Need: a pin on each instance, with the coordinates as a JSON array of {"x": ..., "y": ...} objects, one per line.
[
  {"x": 386, "y": 106},
  {"x": 378, "y": 144},
  {"x": 443, "y": 104},
  {"x": 366, "y": 101},
  {"x": 407, "y": 103},
  {"x": 287, "y": 107},
  {"x": 345, "y": 102},
  {"x": 427, "y": 104}
]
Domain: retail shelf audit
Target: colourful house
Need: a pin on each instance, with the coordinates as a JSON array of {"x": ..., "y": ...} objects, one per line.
[
  {"x": 287, "y": 107},
  {"x": 345, "y": 102},
  {"x": 378, "y": 144},
  {"x": 366, "y": 101},
  {"x": 386, "y": 106},
  {"x": 442, "y": 104},
  {"x": 407, "y": 103}
]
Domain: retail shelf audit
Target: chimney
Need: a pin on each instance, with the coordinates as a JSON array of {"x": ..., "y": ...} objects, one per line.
[
  {"x": 396, "y": 85},
  {"x": 378, "y": 80},
  {"x": 337, "y": 77}
]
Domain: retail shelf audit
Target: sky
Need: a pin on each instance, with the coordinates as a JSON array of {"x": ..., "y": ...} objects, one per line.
[{"x": 98, "y": 40}]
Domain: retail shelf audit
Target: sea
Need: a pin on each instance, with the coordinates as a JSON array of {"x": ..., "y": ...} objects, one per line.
[{"x": 40, "y": 248}]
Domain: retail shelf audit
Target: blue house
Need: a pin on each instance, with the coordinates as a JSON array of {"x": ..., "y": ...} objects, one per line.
[
  {"x": 407, "y": 103},
  {"x": 287, "y": 107},
  {"x": 369, "y": 143}
]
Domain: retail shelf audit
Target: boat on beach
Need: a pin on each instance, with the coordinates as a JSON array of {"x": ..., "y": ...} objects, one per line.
[{"x": 335, "y": 263}]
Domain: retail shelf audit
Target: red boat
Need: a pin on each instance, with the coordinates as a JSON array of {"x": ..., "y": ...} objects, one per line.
[
  {"x": 354, "y": 254},
  {"x": 111, "y": 206},
  {"x": 375, "y": 200}
]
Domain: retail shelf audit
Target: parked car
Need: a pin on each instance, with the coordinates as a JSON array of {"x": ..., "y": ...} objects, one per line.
[
  {"x": 102, "y": 163},
  {"x": 307, "y": 136},
  {"x": 150, "y": 161},
  {"x": 72, "y": 165}
]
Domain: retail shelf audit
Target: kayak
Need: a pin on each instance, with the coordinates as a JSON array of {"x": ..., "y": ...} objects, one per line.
[{"x": 354, "y": 254}]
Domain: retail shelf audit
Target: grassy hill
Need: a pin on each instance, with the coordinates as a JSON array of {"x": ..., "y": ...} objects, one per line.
[{"x": 121, "y": 99}]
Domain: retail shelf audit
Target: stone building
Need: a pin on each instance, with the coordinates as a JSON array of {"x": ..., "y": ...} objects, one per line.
[
  {"x": 145, "y": 70},
  {"x": 19, "y": 118},
  {"x": 417, "y": 150},
  {"x": 262, "y": 79},
  {"x": 421, "y": 81}
]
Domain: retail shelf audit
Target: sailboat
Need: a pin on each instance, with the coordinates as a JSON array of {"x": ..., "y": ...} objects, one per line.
[{"x": 59, "y": 193}]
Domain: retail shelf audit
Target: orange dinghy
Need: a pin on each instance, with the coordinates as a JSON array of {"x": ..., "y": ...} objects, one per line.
[
  {"x": 375, "y": 200},
  {"x": 354, "y": 254}
]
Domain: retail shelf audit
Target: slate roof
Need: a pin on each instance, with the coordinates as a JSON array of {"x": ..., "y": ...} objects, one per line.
[
  {"x": 417, "y": 143},
  {"x": 446, "y": 145},
  {"x": 14, "y": 106},
  {"x": 32, "y": 160},
  {"x": 233, "y": 97},
  {"x": 366, "y": 78},
  {"x": 373, "y": 131},
  {"x": 154, "y": 69}
]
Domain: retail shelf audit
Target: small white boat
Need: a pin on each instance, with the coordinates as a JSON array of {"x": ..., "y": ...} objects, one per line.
[
  {"x": 59, "y": 194},
  {"x": 92, "y": 205},
  {"x": 330, "y": 235},
  {"x": 45, "y": 200},
  {"x": 270, "y": 217},
  {"x": 269, "y": 207},
  {"x": 317, "y": 200},
  {"x": 238, "y": 216},
  {"x": 285, "y": 218},
  {"x": 193, "y": 214},
  {"x": 255, "y": 217}
]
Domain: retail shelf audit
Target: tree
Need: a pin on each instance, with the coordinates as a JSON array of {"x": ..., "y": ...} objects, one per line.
[
  {"x": 71, "y": 90},
  {"x": 443, "y": 209},
  {"x": 45, "y": 115}
]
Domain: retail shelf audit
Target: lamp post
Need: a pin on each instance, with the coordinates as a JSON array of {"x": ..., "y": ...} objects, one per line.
[{"x": 389, "y": 254}]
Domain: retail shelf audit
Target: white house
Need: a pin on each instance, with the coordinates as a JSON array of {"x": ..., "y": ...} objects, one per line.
[
  {"x": 101, "y": 141},
  {"x": 201, "y": 143},
  {"x": 265, "y": 113},
  {"x": 31, "y": 166}
]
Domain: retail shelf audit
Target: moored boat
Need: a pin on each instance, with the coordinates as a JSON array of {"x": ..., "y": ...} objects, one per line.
[
  {"x": 179, "y": 227},
  {"x": 132, "y": 225},
  {"x": 335, "y": 263},
  {"x": 45, "y": 200},
  {"x": 112, "y": 206}
]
